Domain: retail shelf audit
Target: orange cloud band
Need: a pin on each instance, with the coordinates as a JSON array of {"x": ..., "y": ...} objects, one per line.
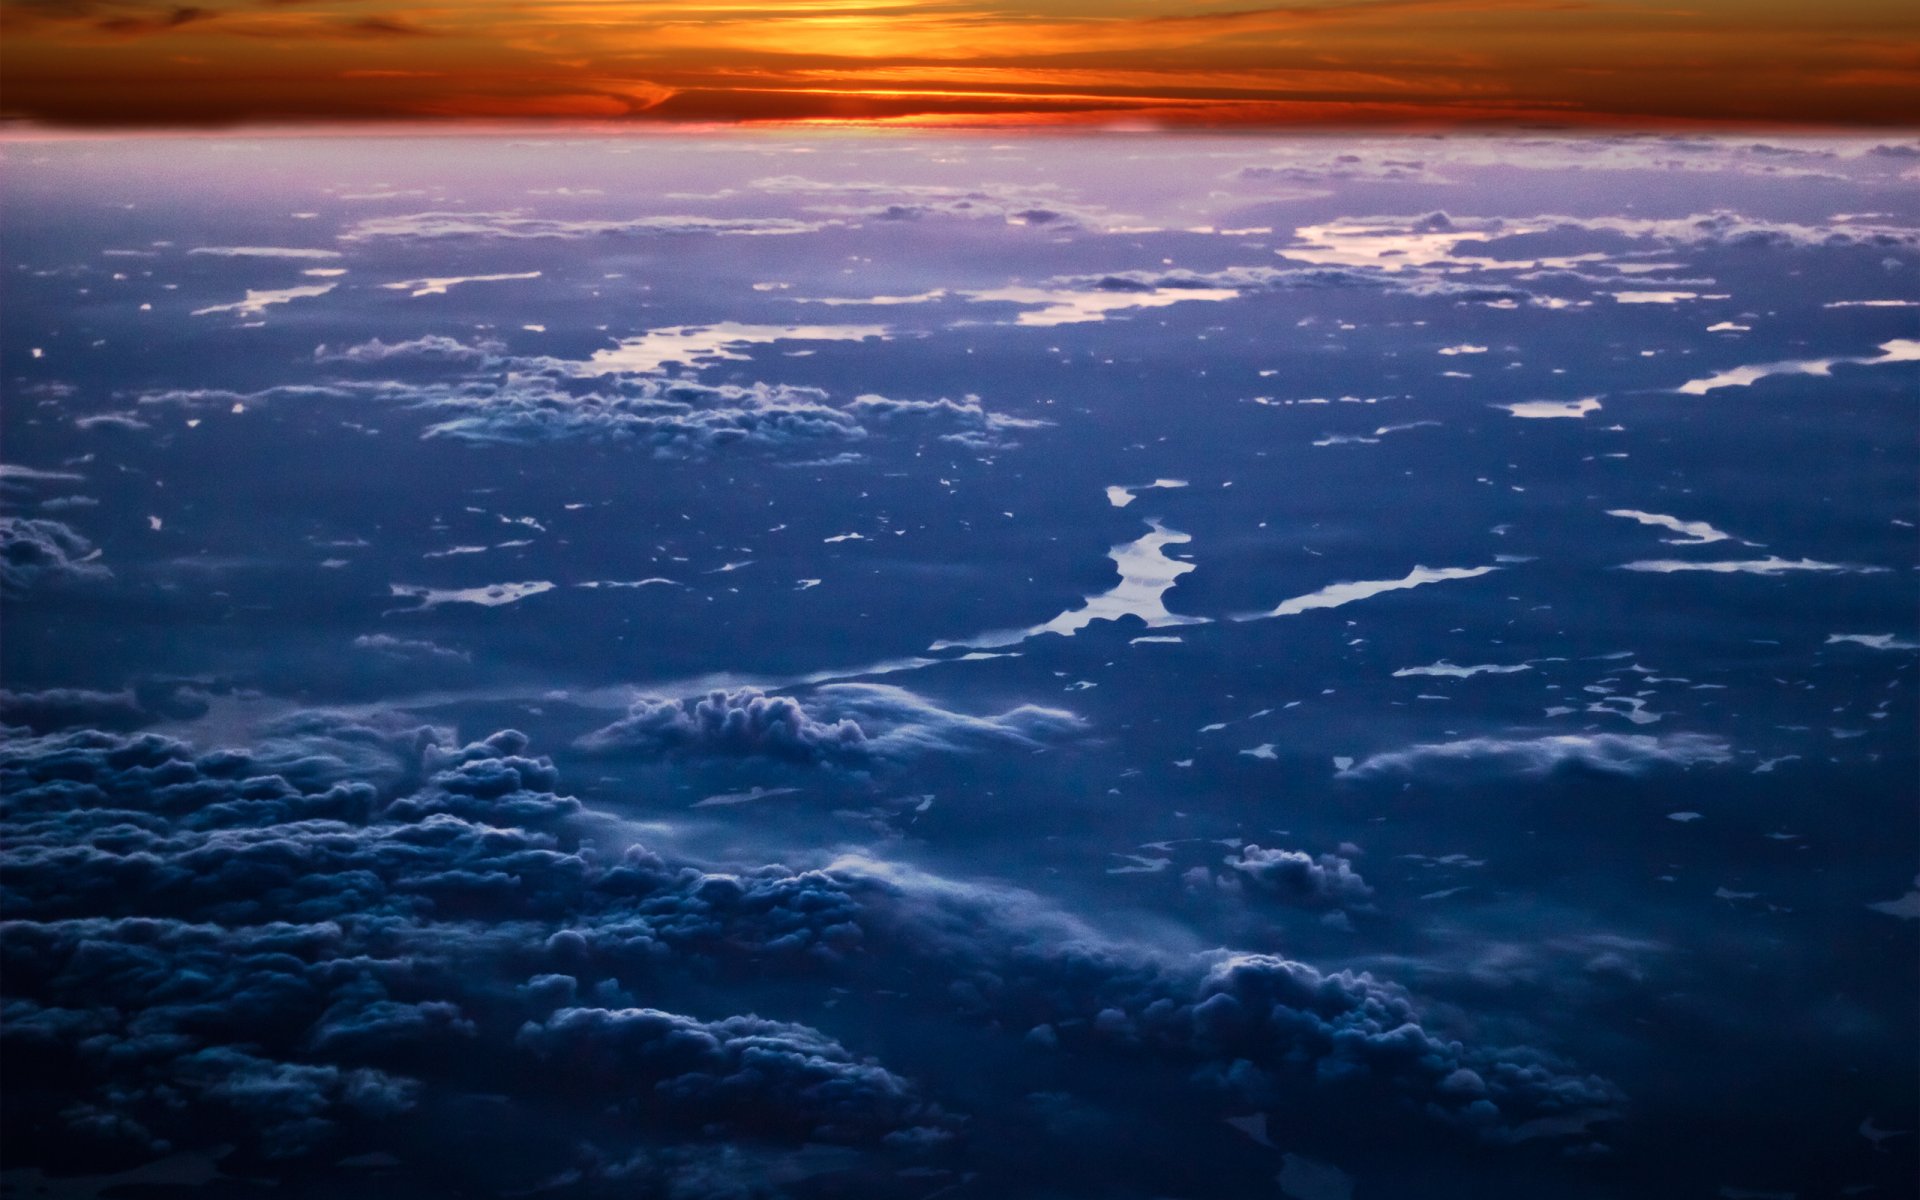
[{"x": 942, "y": 62}]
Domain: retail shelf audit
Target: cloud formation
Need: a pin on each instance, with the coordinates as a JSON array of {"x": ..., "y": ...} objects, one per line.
[
  {"x": 352, "y": 930},
  {"x": 834, "y": 723},
  {"x": 1296, "y": 877},
  {"x": 1606, "y": 753},
  {"x": 35, "y": 552}
]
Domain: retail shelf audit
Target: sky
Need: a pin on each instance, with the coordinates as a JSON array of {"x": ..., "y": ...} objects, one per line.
[{"x": 944, "y": 63}]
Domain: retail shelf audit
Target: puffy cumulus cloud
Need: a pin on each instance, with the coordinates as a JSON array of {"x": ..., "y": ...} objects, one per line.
[
  {"x": 1606, "y": 753},
  {"x": 36, "y": 552},
  {"x": 518, "y": 224},
  {"x": 1297, "y": 877},
  {"x": 1255, "y": 1029},
  {"x": 965, "y": 421},
  {"x": 238, "y": 946},
  {"x": 834, "y": 723},
  {"x": 354, "y": 930}
]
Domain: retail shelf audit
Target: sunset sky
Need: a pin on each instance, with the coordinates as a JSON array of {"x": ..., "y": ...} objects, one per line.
[{"x": 1667, "y": 63}]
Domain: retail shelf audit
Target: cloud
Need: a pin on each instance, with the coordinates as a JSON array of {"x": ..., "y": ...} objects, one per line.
[
  {"x": 1874, "y": 641},
  {"x": 742, "y": 1075},
  {"x": 1606, "y": 753},
  {"x": 519, "y": 224},
  {"x": 675, "y": 419},
  {"x": 35, "y": 552},
  {"x": 1906, "y": 907},
  {"x": 431, "y": 348},
  {"x": 615, "y": 396},
  {"x": 127, "y": 709},
  {"x": 835, "y": 723},
  {"x": 288, "y": 947},
  {"x": 1296, "y": 877},
  {"x": 409, "y": 649}
]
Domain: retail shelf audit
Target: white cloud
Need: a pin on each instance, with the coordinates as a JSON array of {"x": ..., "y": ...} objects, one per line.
[{"x": 1626, "y": 754}]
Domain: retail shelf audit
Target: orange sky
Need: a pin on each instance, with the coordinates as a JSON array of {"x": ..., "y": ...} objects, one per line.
[{"x": 944, "y": 62}]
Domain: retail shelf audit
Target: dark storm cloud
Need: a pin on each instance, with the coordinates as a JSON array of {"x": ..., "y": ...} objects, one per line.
[
  {"x": 354, "y": 925},
  {"x": 127, "y": 709},
  {"x": 835, "y": 723},
  {"x": 35, "y": 552},
  {"x": 761, "y": 1078}
]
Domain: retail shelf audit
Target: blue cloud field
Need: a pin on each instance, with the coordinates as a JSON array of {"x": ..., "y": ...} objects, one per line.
[{"x": 1121, "y": 666}]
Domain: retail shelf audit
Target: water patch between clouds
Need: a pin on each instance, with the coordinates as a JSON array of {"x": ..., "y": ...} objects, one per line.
[
  {"x": 1773, "y": 564},
  {"x": 691, "y": 345},
  {"x": 1335, "y": 595},
  {"x": 1874, "y": 641},
  {"x": 1146, "y": 575},
  {"x": 489, "y": 595},
  {"x": 415, "y": 288},
  {"x": 1899, "y": 350},
  {"x": 1696, "y": 533},
  {"x": 257, "y": 302},
  {"x": 1443, "y": 667},
  {"x": 1069, "y": 306},
  {"x": 1121, "y": 496},
  {"x": 1537, "y": 410}
]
